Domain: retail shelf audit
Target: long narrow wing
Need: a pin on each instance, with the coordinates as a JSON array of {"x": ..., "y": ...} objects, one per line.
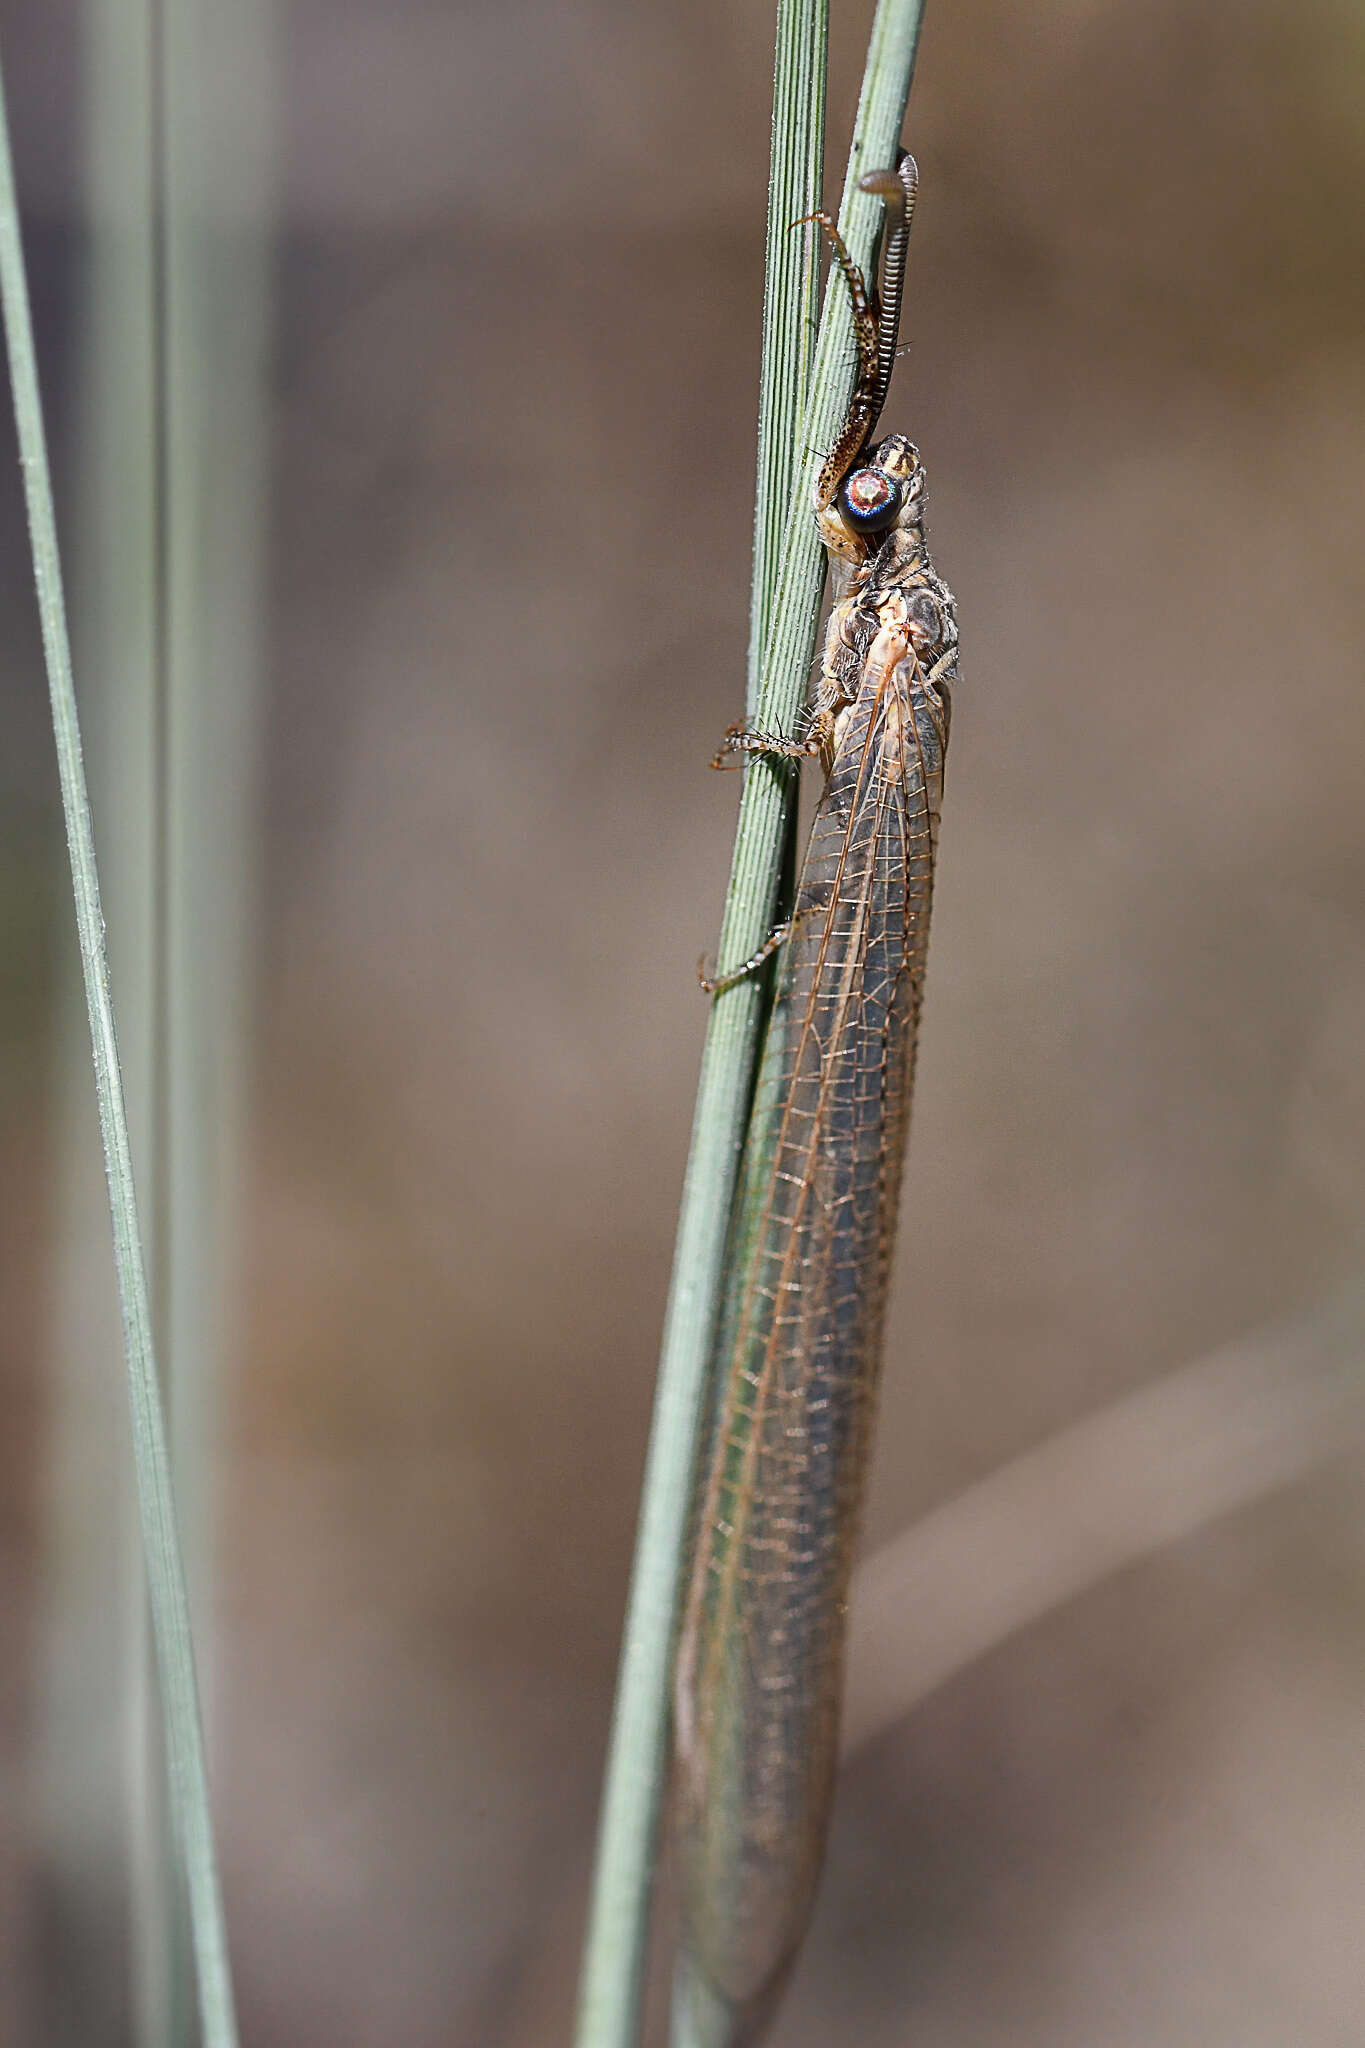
[{"x": 760, "y": 1659}]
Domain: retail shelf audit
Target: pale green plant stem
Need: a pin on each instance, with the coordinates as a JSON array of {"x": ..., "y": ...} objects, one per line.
[
  {"x": 165, "y": 1571},
  {"x": 791, "y": 293},
  {"x": 614, "y": 1956}
]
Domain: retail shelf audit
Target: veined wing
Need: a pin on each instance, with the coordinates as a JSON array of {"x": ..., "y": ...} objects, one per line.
[{"x": 760, "y": 1660}]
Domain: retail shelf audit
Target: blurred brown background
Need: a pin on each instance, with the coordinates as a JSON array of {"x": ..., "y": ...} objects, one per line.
[{"x": 517, "y": 279}]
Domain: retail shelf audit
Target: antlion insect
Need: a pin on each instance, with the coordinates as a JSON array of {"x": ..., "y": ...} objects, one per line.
[{"x": 761, "y": 1647}]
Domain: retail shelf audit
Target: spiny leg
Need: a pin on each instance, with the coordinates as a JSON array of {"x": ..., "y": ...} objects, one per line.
[
  {"x": 740, "y": 740},
  {"x": 715, "y": 984}
]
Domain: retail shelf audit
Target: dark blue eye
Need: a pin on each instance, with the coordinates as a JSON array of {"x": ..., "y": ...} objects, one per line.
[{"x": 870, "y": 500}]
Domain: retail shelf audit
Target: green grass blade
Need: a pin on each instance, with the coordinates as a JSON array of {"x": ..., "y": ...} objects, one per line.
[
  {"x": 166, "y": 1582},
  {"x": 618, "y": 1928},
  {"x": 613, "y": 1970},
  {"x": 791, "y": 287}
]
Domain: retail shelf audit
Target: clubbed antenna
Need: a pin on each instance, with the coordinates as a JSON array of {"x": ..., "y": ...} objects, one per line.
[
  {"x": 876, "y": 318},
  {"x": 900, "y": 189}
]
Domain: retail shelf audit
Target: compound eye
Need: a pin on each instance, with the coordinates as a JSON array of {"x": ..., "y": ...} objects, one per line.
[{"x": 870, "y": 500}]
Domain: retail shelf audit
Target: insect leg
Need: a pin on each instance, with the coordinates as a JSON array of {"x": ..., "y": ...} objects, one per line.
[
  {"x": 741, "y": 740},
  {"x": 814, "y": 744},
  {"x": 714, "y": 984}
]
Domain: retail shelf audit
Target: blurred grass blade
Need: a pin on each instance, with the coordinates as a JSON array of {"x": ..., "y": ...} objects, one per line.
[
  {"x": 101, "y": 1832},
  {"x": 1140, "y": 1474},
  {"x": 166, "y": 1582},
  {"x": 215, "y": 121},
  {"x": 613, "y": 1968}
]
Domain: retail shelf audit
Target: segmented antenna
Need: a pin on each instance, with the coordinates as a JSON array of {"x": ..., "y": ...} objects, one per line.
[
  {"x": 900, "y": 189},
  {"x": 876, "y": 318}
]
